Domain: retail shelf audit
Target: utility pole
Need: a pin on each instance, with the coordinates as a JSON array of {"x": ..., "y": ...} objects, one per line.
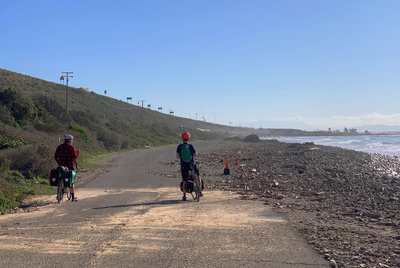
[
  {"x": 67, "y": 76},
  {"x": 142, "y": 102},
  {"x": 196, "y": 115}
]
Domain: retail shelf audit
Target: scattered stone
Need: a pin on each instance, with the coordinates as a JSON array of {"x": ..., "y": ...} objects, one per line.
[{"x": 345, "y": 203}]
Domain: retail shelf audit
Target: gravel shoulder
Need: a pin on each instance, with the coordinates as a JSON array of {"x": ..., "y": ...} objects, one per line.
[{"x": 345, "y": 203}]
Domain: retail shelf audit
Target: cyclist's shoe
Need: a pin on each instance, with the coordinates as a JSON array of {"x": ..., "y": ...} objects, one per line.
[
  {"x": 184, "y": 198},
  {"x": 201, "y": 194},
  {"x": 74, "y": 199}
]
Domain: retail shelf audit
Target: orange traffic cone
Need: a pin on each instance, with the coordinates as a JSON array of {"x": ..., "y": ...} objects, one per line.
[
  {"x": 237, "y": 161},
  {"x": 226, "y": 170}
]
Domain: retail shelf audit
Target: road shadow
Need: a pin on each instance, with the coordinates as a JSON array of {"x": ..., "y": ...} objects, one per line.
[
  {"x": 164, "y": 202},
  {"x": 35, "y": 204}
]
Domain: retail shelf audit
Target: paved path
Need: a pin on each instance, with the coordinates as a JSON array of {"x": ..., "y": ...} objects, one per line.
[{"x": 131, "y": 216}]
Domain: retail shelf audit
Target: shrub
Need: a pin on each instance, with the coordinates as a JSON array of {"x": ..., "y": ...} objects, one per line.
[
  {"x": 11, "y": 142},
  {"x": 5, "y": 164},
  {"x": 21, "y": 108},
  {"x": 109, "y": 139},
  {"x": 45, "y": 121},
  {"x": 81, "y": 132},
  {"x": 18, "y": 110},
  {"x": 51, "y": 105},
  {"x": 6, "y": 117},
  {"x": 7, "y": 199},
  {"x": 15, "y": 177},
  {"x": 31, "y": 160},
  {"x": 251, "y": 138}
]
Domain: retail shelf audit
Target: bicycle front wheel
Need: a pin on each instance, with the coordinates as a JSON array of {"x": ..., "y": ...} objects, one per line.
[{"x": 60, "y": 191}]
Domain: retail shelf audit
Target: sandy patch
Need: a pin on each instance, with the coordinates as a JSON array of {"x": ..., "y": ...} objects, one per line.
[
  {"x": 216, "y": 210},
  {"x": 144, "y": 229}
]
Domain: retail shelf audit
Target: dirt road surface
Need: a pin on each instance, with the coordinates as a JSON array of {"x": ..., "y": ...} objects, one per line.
[{"x": 131, "y": 216}]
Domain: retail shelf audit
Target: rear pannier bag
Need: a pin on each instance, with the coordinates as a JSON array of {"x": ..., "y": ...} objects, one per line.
[
  {"x": 189, "y": 186},
  {"x": 54, "y": 177},
  {"x": 59, "y": 173},
  {"x": 69, "y": 178}
]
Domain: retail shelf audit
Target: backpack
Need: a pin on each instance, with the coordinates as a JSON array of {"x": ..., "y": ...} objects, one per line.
[{"x": 186, "y": 154}]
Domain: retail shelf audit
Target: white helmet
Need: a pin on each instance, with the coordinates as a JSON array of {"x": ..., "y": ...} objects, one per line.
[{"x": 68, "y": 136}]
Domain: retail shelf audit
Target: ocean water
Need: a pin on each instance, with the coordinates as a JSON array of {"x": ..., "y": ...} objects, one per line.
[{"x": 380, "y": 144}]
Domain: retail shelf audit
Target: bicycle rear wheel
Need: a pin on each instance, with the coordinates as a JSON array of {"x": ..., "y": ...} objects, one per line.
[
  {"x": 60, "y": 191},
  {"x": 196, "y": 188}
]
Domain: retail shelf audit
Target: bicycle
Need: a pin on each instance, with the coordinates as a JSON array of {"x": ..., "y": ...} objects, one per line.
[
  {"x": 63, "y": 189},
  {"x": 197, "y": 185}
]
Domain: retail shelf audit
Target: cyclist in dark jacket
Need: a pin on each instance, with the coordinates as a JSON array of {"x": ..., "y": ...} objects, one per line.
[
  {"x": 185, "y": 152},
  {"x": 66, "y": 156}
]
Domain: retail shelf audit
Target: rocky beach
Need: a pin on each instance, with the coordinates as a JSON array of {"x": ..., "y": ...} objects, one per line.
[{"x": 345, "y": 203}]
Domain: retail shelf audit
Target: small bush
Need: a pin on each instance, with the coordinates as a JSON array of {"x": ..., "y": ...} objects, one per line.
[
  {"x": 5, "y": 164},
  {"x": 81, "y": 132},
  {"x": 110, "y": 140},
  {"x": 34, "y": 159},
  {"x": 15, "y": 177},
  {"x": 7, "y": 199},
  {"x": 251, "y": 138},
  {"x": 20, "y": 107},
  {"x": 6, "y": 117},
  {"x": 11, "y": 142}
]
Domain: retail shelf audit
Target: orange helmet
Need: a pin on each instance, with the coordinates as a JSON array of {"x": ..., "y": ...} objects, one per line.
[{"x": 186, "y": 136}]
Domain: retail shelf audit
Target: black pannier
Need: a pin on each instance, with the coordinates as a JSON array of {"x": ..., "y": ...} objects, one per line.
[
  {"x": 189, "y": 186},
  {"x": 57, "y": 174},
  {"x": 68, "y": 178},
  {"x": 54, "y": 177}
]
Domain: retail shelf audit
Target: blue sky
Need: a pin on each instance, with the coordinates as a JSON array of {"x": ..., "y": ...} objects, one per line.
[{"x": 308, "y": 64}]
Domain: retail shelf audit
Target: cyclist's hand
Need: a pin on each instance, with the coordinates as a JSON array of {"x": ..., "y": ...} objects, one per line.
[{"x": 77, "y": 152}]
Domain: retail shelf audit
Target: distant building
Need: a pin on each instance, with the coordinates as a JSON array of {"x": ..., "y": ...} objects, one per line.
[{"x": 84, "y": 88}]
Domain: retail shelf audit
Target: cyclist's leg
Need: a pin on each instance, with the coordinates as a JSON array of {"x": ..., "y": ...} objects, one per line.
[
  {"x": 185, "y": 175},
  {"x": 72, "y": 189}
]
